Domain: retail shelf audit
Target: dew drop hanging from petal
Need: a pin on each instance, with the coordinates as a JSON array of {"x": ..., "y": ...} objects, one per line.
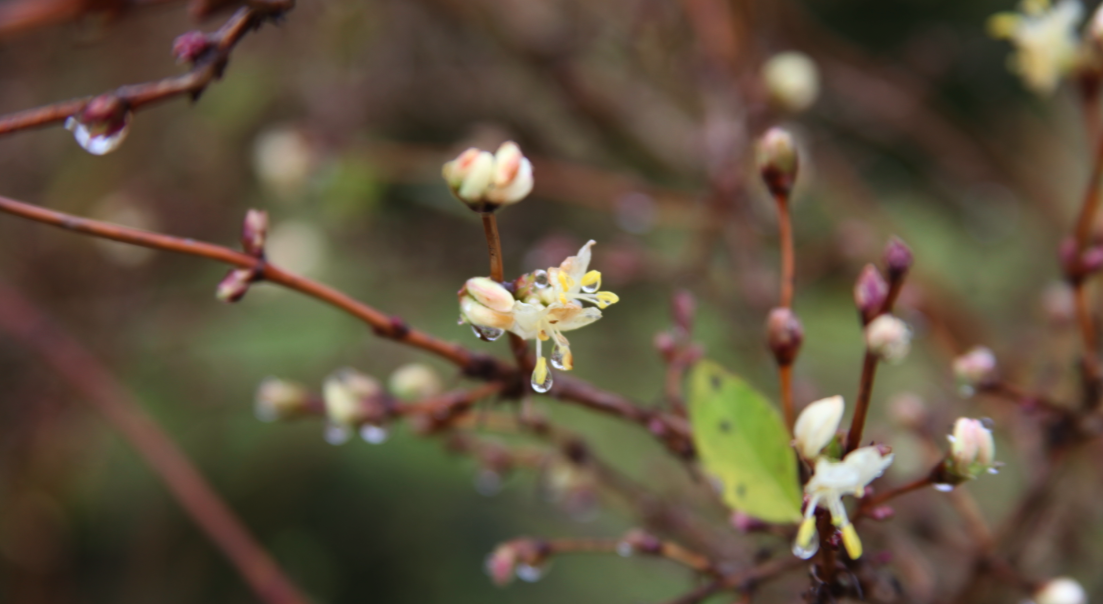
[
  {"x": 543, "y": 386},
  {"x": 557, "y": 359},
  {"x": 540, "y": 279},
  {"x": 487, "y": 333},
  {"x": 805, "y": 553},
  {"x": 99, "y": 138}
]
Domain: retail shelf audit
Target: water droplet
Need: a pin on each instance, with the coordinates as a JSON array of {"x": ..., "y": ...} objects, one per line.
[
  {"x": 488, "y": 482},
  {"x": 945, "y": 488},
  {"x": 557, "y": 359},
  {"x": 951, "y": 438},
  {"x": 540, "y": 279},
  {"x": 542, "y": 387},
  {"x": 375, "y": 435},
  {"x": 529, "y": 573},
  {"x": 337, "y": 434},
  {"x": 487, "y": 333},
  {"x": 99, "y": 138},
  {"x": 591, "y": 288},
  {"x": 625, "y": 549},
  {"x": 806, "y": 553},
  {"x": 993, "y": 470}
]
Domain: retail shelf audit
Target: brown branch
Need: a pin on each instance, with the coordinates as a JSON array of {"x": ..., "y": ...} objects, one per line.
[
  {"x": 22, "y": 321},
  {"x": 745, "y": 581},
  {"x": 208, "y": 67},
  {"x": 785, "y": 367}
]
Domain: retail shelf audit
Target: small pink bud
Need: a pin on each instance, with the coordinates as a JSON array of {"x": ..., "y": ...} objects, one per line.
[
  {"x": 683, "y": 308},
  {"x": 254, "y": 232},
  {"x": 976, "y": 368},
  {"x": 745, "y": 523},
  {"x": 235, "y": 285},
  {"x": 190, "y": 46},
  {"x": 889, "y": 338},
  {"x": 898, "y": 258},
  {"x": 784, "y": 335},
  {"x": 870, "y": 292},
  {"x": 501, "y": 564},
  {"x": 664, "y": 343},
  {"x": 882, "y": 512},
  {"x": 778, "y": 161}
]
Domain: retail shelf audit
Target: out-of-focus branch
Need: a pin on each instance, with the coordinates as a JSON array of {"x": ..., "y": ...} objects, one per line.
[
  {"x": 208, "y": 66},
  {"x": 20, "y": 320},
  {"x": 744, "y": 581}
]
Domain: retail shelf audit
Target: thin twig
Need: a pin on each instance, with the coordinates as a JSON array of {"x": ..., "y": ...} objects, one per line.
[
  {"x": 208, "y": 67},
  {"x": 788, "y": 269},
  {"x": 22, "y": 321}
]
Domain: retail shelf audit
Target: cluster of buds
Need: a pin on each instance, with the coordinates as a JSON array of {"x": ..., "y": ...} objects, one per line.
[
  {"x": 355, "y": 402},
  {"x": 778, "y": 162},
  {"x": 524, "y": 558},
  {"x": 485, "y": 181},
  {"x": 815, "y": 430},
  {"x": 972, "y": 452},
  {"x": 254, "y": 233}
]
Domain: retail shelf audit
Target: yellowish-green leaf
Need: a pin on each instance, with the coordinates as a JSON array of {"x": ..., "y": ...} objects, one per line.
[{"x": 742, "y": 442}]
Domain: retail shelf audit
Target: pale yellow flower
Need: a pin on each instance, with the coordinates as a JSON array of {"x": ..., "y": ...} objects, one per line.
[{"x": 1045, "y": 39}]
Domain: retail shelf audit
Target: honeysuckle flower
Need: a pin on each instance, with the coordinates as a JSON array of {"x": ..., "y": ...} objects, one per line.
[
  {"x": 888, "y": 338},
  {"x": 1062, "y": 590},
  {"x": 816, "y": 426},
  {"x": 972, "y": 450},
  {"x": 486, "y": 182},
  {"x": 1045, "y": 39},
  {"x": 832, "y": 480},
  {"x": 551, "y": 303}
]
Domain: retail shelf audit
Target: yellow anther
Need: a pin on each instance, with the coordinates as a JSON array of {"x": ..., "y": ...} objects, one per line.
[
  {"x": 563, "y": 280},
  {"x": 607, "y": 298},
  {"x": 543, "y": 335},
  {"x": 568, "y": 360},
  {"x": 592, "y": 280},
  {"x": 851, "y": 541},
  {"x": 540, "y": 372},
  {"x": 1002, "y": 26},
  {"x": 806, "y": 531}
]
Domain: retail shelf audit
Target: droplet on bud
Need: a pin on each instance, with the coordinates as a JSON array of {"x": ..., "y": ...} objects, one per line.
[
  {"x": 375, "y": 435},
  {"x": 487, "y": 333},
  {"x": 99, "y": 138}
]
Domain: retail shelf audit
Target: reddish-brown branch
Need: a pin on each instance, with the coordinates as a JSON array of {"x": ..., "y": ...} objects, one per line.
[
  {"x": 208, "y": 68},
  {"x": 861, "y": 405},
  {"x": 882, "y": 498},
  {"x": 745, "y": 581},
  {"x": 22, "y": 321},
  {"x": 788, "y": 269}
]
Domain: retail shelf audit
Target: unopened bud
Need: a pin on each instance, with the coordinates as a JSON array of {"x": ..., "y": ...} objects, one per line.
[
  {"x": 475, "y": 313},
  {"x": 254, "y": 232},
  {"x": 415, "y": 381},
  {"x": 870, "y": 292},
  {"x": 1062, "y": 590},
  {"x": 908, "y": 410},
  {"x": 489, "y": 293},
  {"x": 349, "y": 395},
  {"x": 889, "y": 338},
  {"x": 784, "y": 335},
  {"x": 102, "y": 125},
  {"x": 792, "y": 80},
  {"x": 816, "y": 426},
  {"x": 972, "y": 449},
  {"x": 778, "y": 161},
  {"x": 898, "y": 258},
  {"x": 976, "y": 368},
  {"x": 486, "y": 182},
  {"x": 512, "y": 180},
  {"x": 665, "y": 344},
  {"x": 501, "y": 564},
  {"x": 235, "y": 285},
  {"x": 190, "y": 46},
  {"x": 278, "y": 399}
]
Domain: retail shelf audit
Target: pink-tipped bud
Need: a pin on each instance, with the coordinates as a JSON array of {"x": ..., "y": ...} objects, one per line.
[
  {"x": 784, "y": 335},
  {"x": 778, "y": 161},
  {"x": 190, "y": 46},
  {"x": 254, "y": 232},
  {"x": 898, "y": 259},
  {"x": 889, "y": 338},
  {"x": 972, "y": 449},
  {"x": 512, "y": 179},
  {"x": 816, "y": 426},
  {"x": 235, "y": 285},
  {"x": 976, "y": 368},
  {"x": 745, "y": 523},
  {"x": 489, "y": 293},
  {"x": 870, "y": 292}
]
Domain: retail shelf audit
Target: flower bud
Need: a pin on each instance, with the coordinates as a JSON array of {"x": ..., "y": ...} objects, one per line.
[
  {"x": 190, "y": 46},
  {"x": 489, "y": 293},
  {"x": 1062, "y": 590},
  {"x": 778, "y": 161},
  {"x": 501, "y": 564},
  {"x": 817, "y": 425},
  {"x": 908, "y": 410},
  {"x": 415, "y": 381},
  {"x": 235, "y": 285},
  {"x": 683, "y": 307},
  {"x": 975, "y": 368},
  {"x": 280, "y": 399},
  {"x": 784, "y": 335},
  {"x": 512, "y": 180},
  {"x": 348, "y": 395},
  {"x": 475, "y": 313},
  {"x": 254, "y": 232},
  {"x": 898, "y": 258},
  {"x": 888, "y": 338},
  {"x": 792, "y": 80},
  {"x": 972, "y": 449},
  {"x": 870, "y": 292}
]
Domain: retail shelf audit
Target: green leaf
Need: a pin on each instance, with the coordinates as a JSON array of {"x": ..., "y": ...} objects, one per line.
[{"x": 743, "y": 443}]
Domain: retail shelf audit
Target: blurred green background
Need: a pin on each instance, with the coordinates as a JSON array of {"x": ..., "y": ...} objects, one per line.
[{"x": 638, "y": 115}]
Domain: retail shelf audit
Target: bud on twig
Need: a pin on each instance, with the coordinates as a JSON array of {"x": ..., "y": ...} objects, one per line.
[
  {"x": 778, "y": 161},
  {"x": 898, "y": 259},
  {"x": 816, "y": 426},
  {"x": 190, "y": 46},
  {"x": 784, "y": 335},
  {"x": 870, "y": 292},
  {"x": 415, "y": 381},
  {"x": 889, "y": 338},
  {"x": 352, "y": 398},
  {"x": 976, "y": 368},
  {"x": 254, "y": 232},
  {"x": 235, "y": 285},
  {"x": 792, "y": 80},
  {"x": 278, "y": 399},
  {"x": 972, "y": 449},
  {"x": 486, "y": 182}
]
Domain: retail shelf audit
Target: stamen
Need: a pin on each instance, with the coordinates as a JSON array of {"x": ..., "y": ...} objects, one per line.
[
  {"x": 591, "y": 282},
  {"x": 806, "y": 532},
  {"x": 852, "y": 542},
  {"x": 604, "y": 299}
]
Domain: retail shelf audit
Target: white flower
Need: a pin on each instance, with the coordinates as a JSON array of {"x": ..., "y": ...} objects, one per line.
[
  {"x": 1062, "y": 590},
  {"x": 816, "y": 426},
  {"x": 826, "y": 488},
  {"x": 888, "y": 338},
  {"x": 792, "y": 80},
  {"x": 552, "y": 304},
  {"x": 972, "y": 449},
  {"x": 1045, "y": 40}
]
